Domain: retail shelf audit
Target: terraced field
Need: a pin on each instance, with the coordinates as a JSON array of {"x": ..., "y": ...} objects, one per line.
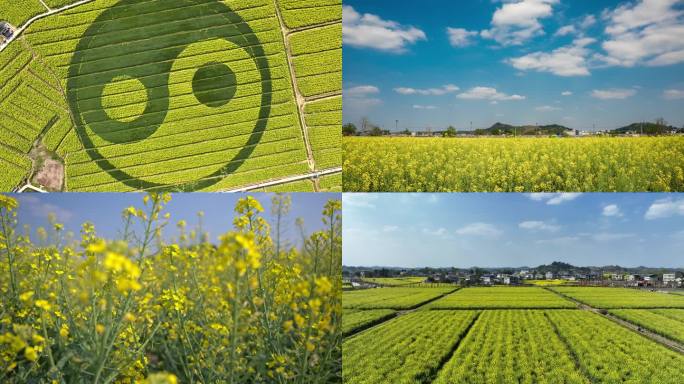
[
  {"x": 190, "y": 95},
  {"x": 599, "y": 297}
]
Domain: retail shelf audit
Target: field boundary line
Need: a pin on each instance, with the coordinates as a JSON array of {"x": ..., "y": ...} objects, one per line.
[
  {"x": 30, "y": 21},
  {"x": 571, "y": 351},
  {"x": 372, "y": 324},
  {"x": 643, "y": 331},
  {"x": 45, "y": 5},
  {"x": 430, "y": 375},
  {"x": 398, "y": 313},
  {"x": 299, "y": 98}
]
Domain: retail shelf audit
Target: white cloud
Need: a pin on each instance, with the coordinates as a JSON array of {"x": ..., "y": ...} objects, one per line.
[
  {"x": 359, "y": 200},
  {"x": 612, "y": 236},
  {"x": 459, "y": 37},
  {"x": 443, "y": 90},
  {"x": 673, "y": 94},
  {"x": 479, "y": 229},
  {"x": 40, "y": 209},
  {"x": 390, "y": 228},
  {"x": 565, "y": 30},
  {"x": 569, "y": 60},
  {"x": 361, "y": 97},
  {"x": 611, "y": 210},
  {"x": 517, "y": 21},
  {"x": 612, "y": 94},
  {"x": 533, "y": 225},
  {"x": 565, "y": 240},
  {"x": 435, "y": 232},
  {"x": 370, "y": 31},
  {"x": 547, "y": 108},
  {"x": 588, "y": 21},
  {"x": 566, "y": 93},
  {"x": 665, "y": 208},
  {"x": 553, "y": 198},
  {"x": 647, "y": 32},
  {"x": 487, "y": 93},
  {"x": 429, "y": 107},
  {"x": 361, "y": 90},
  {"x": 562, "y": 198}
]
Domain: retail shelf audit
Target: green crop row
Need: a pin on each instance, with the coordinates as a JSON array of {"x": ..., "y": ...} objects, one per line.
[
  {"x": 324, "y": 121},
  {"x": 395, "y": 281},
  {"x": 511, "y": 346},
  {"x": 331, "y": 183},
  {"x": 664, "y": 322},
  {"x": 408, "y": 349},
  {"x": 294, "y": 186},
  {"x": 621, "y": 297},
  {"x": 609, "y": 353},
  {"x": 17, "y": 12},
  {"x": 185, "y": 169},
  {"x": 391, "y": 298},
  {"x": 501, "y": 297},
  {"x": 15, "y": 168},
  {"x": 302, "y": 13},
  {"x": 310, "y": 40},
  {"x": 353, "y": 320}
]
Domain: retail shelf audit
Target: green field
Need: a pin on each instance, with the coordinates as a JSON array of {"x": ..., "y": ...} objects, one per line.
[
  {"x": 482, "y": 338},
  {"x": 511, "y": 346},
  {"x": 501, "y": 297},
  {"x": 621, "y": 297},
  {"x": 190, "y": 95},
  {"x": 666, "y": 322},
  {"x": 404, "y": 350},
  {"x": 354, "y": 320},
  {"x": 645, "y": 164},
  {"x": 391, "y": 298},
  {"x": 395, "y": 281}
]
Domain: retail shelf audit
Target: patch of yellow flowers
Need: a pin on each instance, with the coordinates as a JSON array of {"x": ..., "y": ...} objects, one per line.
[
  {"x": 249, "y": 309},
  {"x": 514, "y": 164}
]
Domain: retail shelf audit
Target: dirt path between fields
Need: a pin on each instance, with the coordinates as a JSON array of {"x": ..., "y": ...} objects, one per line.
[{"x": 664, "y": 341}]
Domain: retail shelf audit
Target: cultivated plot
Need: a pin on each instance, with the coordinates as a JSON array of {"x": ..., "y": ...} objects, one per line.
[
  {"x": 391, "y": 298},
  {"x": 409, "y": 349},
  {"x": 513, "y": 165},
  {"x": 609, "y": 353},
  {"x": 666, "y": 322},
  {"x": 501, "y": 297},
  {"x": 600, "y": 297},
  {"x": 354, "y": 320},
  {"x": 511, "y": 346},
  {"x": 190, "y": 95}
]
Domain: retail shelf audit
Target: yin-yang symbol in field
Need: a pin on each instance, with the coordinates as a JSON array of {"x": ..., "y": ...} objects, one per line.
[{"x": 169, "y": 95}]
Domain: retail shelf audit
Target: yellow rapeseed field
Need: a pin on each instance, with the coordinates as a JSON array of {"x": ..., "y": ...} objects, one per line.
[
  {"x": 249, "y": 309},
  {"x": 513, "y": 164}
]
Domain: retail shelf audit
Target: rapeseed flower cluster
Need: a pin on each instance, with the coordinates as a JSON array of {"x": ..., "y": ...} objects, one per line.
[{"x": 250, "y": 308}]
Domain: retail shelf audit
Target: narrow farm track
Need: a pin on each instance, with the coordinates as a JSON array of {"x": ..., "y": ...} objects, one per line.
[
  {"x": 664, "y": 341},
  {"x": 299, "y": 98}
]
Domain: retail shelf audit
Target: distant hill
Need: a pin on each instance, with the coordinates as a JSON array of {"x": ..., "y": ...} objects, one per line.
[
  {"x": 524, "y": 130},
  {"x": 648, "y": 129}
]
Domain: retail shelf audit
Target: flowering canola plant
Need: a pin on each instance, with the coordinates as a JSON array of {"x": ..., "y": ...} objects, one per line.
[{"x": 248, "y": 309}]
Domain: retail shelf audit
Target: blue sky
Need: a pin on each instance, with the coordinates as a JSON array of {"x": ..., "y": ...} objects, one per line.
[
  {"x": 104, "y": 210},
  {"x": 512, "y": 230},
  {"x": 580, "y": 63}
]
